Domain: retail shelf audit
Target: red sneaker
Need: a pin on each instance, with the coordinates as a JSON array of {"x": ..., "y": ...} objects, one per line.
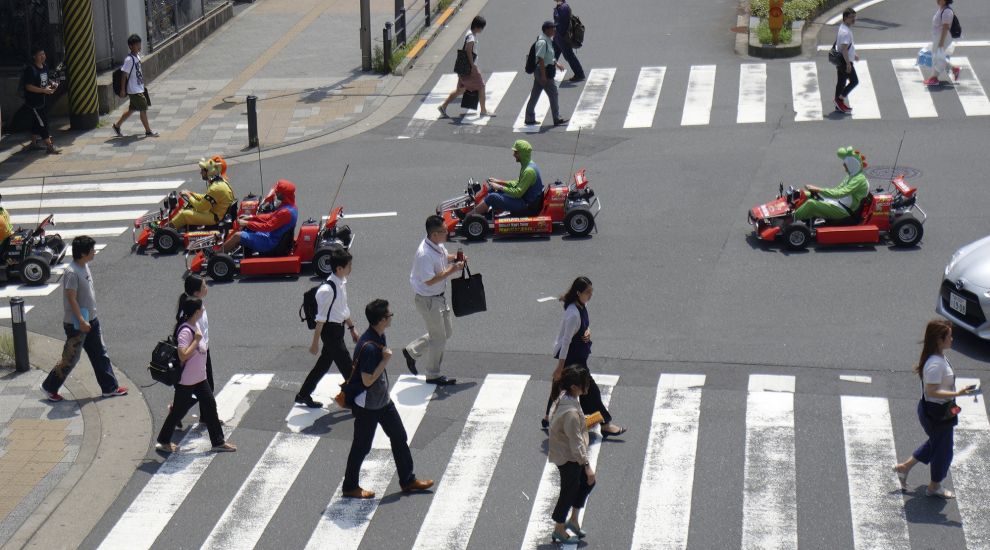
[
  {"x": 121, "y": 390},
  {"x": 53, "y": 396},
  {"x": 955, "y": 73},
  {"x": 841, "y": 106},
  {"x": 933, "y": 81}
]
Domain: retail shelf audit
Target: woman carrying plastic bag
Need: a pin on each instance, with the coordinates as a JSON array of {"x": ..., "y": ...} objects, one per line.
[{"x": 942, "y": 46}]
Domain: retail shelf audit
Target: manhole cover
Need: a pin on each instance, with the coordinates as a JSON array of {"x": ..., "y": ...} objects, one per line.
[{"x": 887, "y": 173}]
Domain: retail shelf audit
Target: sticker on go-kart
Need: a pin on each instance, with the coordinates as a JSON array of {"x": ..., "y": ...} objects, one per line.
[
  {"x": 882, "y": 203},
  {"x": 524, "y": 227}
]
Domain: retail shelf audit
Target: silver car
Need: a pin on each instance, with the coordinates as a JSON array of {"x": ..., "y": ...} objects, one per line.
[{"x": 964, "y": 297}]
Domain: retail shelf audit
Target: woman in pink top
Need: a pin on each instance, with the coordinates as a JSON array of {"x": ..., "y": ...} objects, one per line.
[{"x": 192, "y": 353}]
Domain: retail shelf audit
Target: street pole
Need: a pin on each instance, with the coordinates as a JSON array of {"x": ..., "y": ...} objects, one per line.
[
  {"x": 18, "y": 325},
  {"x": 252, "y": 116},
  {"x": 365, "y": 35},
  {"x": 80, "y": 54}
]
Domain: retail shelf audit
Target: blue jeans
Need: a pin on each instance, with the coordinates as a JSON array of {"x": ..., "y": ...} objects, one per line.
[
  {"x": 504, "y": 203},
  {"x": 75, "y": 342},
  {"x": 937, "y": 450}
]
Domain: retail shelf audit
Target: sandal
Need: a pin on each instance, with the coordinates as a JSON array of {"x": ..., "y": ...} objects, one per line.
[
  {"x": 901, "y": 476},
  {"x": 443, "y": 111},
  {"x": 941, "y": 492},
  {"x": 167, "y": 448},
  {"x": 616, "y": 433}
]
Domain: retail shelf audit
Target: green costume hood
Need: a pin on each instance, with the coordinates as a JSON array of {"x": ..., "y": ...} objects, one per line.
[{"x": 525, "y": 151}]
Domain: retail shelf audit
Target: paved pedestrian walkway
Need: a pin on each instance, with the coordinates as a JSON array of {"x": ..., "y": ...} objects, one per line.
[{"x": 301, "y": 58}]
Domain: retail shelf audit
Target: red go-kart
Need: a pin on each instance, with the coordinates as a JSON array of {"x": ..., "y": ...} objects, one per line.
[
  {"x": 313, "y": 245},
  {"x": 883, "y": 214},
  {"x": 151, "y": 230},
  {"x": 573, "y": 206}
]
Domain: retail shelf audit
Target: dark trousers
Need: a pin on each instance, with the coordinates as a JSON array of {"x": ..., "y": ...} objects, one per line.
[
  {"x": 75, "y": 342},
  {"x": 563, "y": 46},
  {"x": 550, "y": 88},
  {"x": 366, "y": 422},
  {"x": 184, "y": 398},
  {"x": 39, "y": 122},
  {"x": 574, "y": 490},
  {"x": 209, "y": 380},
  {"x": 937, "y": 450},
  {"x": 591, "y": 402},
  {"x": 334, "y": 351},
  {"x": 845, "y": 81}
]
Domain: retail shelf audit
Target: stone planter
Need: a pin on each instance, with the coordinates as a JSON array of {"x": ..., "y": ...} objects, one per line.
[{"x": 769, "y": 51}]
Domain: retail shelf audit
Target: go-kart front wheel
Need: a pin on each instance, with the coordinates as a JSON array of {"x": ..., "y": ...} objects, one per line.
[
  {"x": 321, "y": 261},
  {"x": 221, "y": 268},
  {"x": 167, "y": 240},
  {"x": 474, "y": 227},
  {"x": 579, "y": 223},
  {"x": 906, "y": 232},
  {"x": 35, "y": 271},
  {"x": 796, "y": 236}
]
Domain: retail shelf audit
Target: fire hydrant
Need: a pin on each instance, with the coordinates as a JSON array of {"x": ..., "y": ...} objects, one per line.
[{"x": 776, "y": 14}]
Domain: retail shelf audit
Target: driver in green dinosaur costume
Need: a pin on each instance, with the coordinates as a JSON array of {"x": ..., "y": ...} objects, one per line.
[{"x": 843, "y": 200}]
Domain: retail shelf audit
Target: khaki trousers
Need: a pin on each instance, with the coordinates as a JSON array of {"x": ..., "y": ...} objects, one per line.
[{"x": 437, "y": 315}]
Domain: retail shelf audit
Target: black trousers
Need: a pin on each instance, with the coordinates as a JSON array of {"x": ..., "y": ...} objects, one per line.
[
  {"x": 209, "y": 380},
  {"x": 207, "y": 412},
  {"x": 366, "y": 422},
  {"x": 845, "y": 81},
  {"x": 574, "y": 490},
  {"x": 334, "y": 351},
  {"x": 591, "y": 402},
  {"x": 39, "y": 122}
]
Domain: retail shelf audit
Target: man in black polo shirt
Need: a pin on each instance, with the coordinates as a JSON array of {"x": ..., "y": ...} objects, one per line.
[
  {"x": 37, "y": 86},
  {"x": 373, "y": 406}
]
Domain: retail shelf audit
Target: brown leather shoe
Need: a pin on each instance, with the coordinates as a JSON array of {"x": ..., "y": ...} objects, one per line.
[
  {"x": 418, "y": 485},
  {"x": 359, "y": 493}
]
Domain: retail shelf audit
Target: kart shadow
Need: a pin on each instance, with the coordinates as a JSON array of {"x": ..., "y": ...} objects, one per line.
[
  {"x": 757, "y": 244},
  {"x": 970, "y": 345}
]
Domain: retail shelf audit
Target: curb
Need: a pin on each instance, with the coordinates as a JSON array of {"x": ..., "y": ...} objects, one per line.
[
  {"x": 116, "y": 433},
  {"x": 809, "y": 34},
  {"x": 427, "y": 39}
]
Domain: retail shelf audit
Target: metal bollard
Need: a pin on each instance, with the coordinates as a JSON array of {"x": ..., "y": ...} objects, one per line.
[
  {"x": 252, "y": 113},
  {"x": 427, "y": 13},
  {"x": 387, "y": 48},
  {"x": 19, "y": 327}
]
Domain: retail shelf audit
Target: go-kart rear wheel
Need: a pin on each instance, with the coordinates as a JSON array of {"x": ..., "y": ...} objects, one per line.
[
  {"x": 906, "y": 232},
  {"x": 221, "y": 268},
  {"x": 579, "y": 223},
  {"x": 321, "y": 261},
  {"x": 35, "y": 271},
  {"x": 55, "y": 242},
  {"x": 797, "y": 236},
  {"x": 167, "y": 240},
  {"x": 474, "y": 227}
]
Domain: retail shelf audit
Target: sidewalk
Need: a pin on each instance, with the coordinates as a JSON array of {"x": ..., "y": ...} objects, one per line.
[
  {"x": 301, "y": 58},
  {"x": 63, "y": 464}
]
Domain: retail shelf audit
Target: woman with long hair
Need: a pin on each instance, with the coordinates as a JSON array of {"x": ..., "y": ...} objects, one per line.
[
  {"x": 473, "y": 81},
  {"x": 937, "y": 410},
  {"x": 193, "y": 381},
  {"x": 195, "y": 287},
  {"x": 568, "y": 450},
  {"x": 573, "y": 347}
]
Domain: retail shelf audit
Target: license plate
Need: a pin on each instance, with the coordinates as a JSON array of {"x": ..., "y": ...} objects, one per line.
[{"x": 957, "y": 303}]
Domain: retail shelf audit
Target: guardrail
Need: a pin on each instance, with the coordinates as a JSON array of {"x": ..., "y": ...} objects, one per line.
[{"x": 406, "y": 23}]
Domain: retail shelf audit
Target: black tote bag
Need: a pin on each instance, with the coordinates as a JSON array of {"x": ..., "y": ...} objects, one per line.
[
  {"x": 470, "y": 100},
  {"x": 467, "y": 293}
]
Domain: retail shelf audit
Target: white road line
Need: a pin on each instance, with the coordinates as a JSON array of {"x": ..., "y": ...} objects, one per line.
[
  {"x": 877, "y": 508},
  {"x": 427, "y": 112},
  {"x": 700, "y": 91},
  {"x": 79, "y": 202},
  {"x": 971, "y": 94},
  {"x": 910, "y": 45},
  {"x": 970, "y": 469},
  {"x": 5, "y": 311},
  {"x": 546, "y": 495},
  {"x": 857, "y": 379},
  {"x": 643, "y": 106},
  {"x": 752, "y": 93},
  {"x": 154, "y": 506},
  {"x": 917, "y": 99},
  {"x": 369, "y": 215},
  {"x": 25, "y": 291},
  {"x": 592, "y": 100},
  {"x": 68, "y": 234},
  {"x": 835, "y": 20},
  {"x": 90, "y": 187},
  {"x": 81, "y": 217},
  {"x": 546, "y": 299},
  {"x": 457, "y": 501},
  {"x": 541, "y": 110},
  {"x": 345, "y": 520},
  {"x": 804, "y": 91},
  {"x": 247, "y": 516},
  {"x": 495, "y": 89},
  {"x": 664, "y": 507},
  {"x": 863, "y": 98},
  {"x": 770, "y": 483},
  {"x": 301, "y": 417}
]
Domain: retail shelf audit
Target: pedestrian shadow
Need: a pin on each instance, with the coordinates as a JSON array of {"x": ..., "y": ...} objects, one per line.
[
  {"x": 392, "y": 498},
  {"x": 920, "y": 508},
  {"x": 443, "y": 392},
  {"x": 876, "y": 24},
  {"x": 838, "y": 115},
  {"x": 122, "y": 141},
  {"x": 325, "y": 423}
]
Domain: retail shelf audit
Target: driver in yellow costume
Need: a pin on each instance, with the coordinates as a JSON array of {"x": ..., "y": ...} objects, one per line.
[
  {"x": 5, "y": 228},
  {"x": 208, "y": 208}
]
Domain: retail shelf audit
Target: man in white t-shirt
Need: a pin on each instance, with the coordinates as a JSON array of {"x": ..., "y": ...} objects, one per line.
[
  {"x": 846, "y": 78},
  {"x": 134, "y": 88}
]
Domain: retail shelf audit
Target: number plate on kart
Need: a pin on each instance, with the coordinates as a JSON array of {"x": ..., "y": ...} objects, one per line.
[{"x": 957, "y": 302}]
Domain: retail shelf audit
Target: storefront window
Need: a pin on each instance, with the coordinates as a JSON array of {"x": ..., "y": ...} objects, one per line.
[
  {"x": 24, "y": 23},
  {"x": 167, "y": 18}
]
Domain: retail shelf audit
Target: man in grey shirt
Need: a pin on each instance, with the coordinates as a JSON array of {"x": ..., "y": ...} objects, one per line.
[{"x": 82, "y": 328}]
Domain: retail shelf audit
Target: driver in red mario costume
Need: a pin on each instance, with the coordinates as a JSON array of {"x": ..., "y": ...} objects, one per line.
[{"x": 262, "y": 232}]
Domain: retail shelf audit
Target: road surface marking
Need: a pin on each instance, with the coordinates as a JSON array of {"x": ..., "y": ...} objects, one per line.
[
  {"x": 69, "y": 234},
  {"x": 5, "y": 311},
  {"x": 643, "y": 105},
  {"x": 863, "y": 97},
  {"x": 970, "y": 469},
  {"x": 592, "y": 101},
  {"x": 752, "y": 93},
  {"x": 877, "y": 508},
  {"x": 81, "y": 217},
  {"x": 546, "y": 299},
  {"x": 345, "y": 520},
  {"x": 90, "y": 187},
  {"x": 495, "y": 88},
  {"x": 368, "y": 215},
  {"x": 770, "y": 484},
  {"x": 917, "y": 99},
  {"x": 858, "y": 379},
  {"x": 79, "y": 202},
  {"x": 835, "y": 20},
  {"x": 301, "y": 417},
  {"x": 700, "y": 91},
  {"x": 910, "y": 45},
  {"x": 457, "y": 501},
  {"x": 541, "y": 110},
  {"x": 427, "y": 112},
  {"x": 971, "y": 94},
  {"x": 664, "y": 507},
  {"x": 804, "y": 90}
]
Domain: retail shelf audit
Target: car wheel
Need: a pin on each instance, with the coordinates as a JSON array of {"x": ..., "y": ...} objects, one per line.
[
  {"x": 797, "y": 236},
  {"x": 221, "y": 268},
  {"x": 474, "y": 227},
  {"x": 579, "y": 223},
  {"x": 167, "y": 240},
  {"x": 906, "y": 232},
  {"x": 35, "y": 271},
  {"x": 321, "y": 262}
]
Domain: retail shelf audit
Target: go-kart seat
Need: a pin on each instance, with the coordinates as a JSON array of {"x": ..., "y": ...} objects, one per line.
[
  {"x": 534, "y": 208},
  {"x": 859, "y": 214},
  {"x": 283, "y": 247}
]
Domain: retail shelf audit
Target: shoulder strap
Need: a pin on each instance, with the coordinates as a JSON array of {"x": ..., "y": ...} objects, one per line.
[
  {"x": 357, "y": 356},
  {"x": 332, "y": 300}
]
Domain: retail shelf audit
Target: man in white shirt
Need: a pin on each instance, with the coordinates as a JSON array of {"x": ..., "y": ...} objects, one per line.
[
  {"x": 134, "y": 88},
  {"x": 332, "y": 318},
  {"x": 431, "y": 268},
  {"x": 846, "y": 78}
]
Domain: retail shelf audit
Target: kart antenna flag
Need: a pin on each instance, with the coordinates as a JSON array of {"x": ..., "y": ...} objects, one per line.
[
  {"x": 339, "y": 185},
  {"x": 574, "y": 154},
  {"x": 893, "y": 171}
]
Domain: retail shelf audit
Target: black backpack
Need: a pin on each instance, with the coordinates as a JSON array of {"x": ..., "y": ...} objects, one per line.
[
  {"x": 531, "y": 59},
  {"x": 309, "y": 308},
  {"x": 955, "y": 29},
  {"x": 165, "y": 365},
  {"x": 120, "y": 80},
  {"x": 576, "y": 32}
]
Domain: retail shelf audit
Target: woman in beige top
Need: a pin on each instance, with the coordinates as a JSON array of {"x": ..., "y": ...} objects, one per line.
[{"x": 569, "y": 451}]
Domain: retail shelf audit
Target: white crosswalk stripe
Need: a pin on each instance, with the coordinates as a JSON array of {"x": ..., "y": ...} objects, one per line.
[
  {"x": 495, "y": 88},
  {"x": 80, "y": 202},
  {"x": 970, "y": 467},
  {"x": 805, "y": 92},
  {"x": 592, "y": 100},
  {"x": 646, "y": 96},
  {"x": 971, "y": 94},
  {"x": 917, "y": 99},
  {"x": 541, "y": 110},
  {"x": 863, "y": 97},
  {"x": 700, "y": 92},
  {"x": 427, "y": 112},
  {"x": 752, "y": 93},
  {"x": 112, "y": 187},
  {"x": 80, "y": 217}
]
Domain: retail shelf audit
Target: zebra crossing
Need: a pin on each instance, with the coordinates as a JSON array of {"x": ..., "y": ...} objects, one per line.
[
  {"x": 660, "y": 515},
  {"x": 809, "y": 93}
]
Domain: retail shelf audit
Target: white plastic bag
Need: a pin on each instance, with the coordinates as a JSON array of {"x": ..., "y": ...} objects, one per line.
[
  {"x": 925, "y": 57},
  {"x": 940, "y": 62}
]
